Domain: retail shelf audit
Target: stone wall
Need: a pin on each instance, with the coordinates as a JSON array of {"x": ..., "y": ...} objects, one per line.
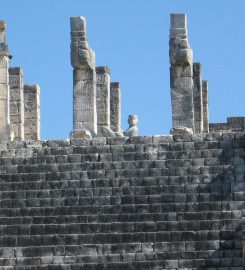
[
  {"x": 123, "y": 203},
  {"x": 233, "y": 124}
]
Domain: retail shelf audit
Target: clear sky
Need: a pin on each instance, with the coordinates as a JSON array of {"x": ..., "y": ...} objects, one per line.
[{"x": 131, "y": 37}]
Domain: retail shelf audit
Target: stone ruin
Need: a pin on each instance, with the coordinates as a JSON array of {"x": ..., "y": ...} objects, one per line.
[
  {"x": 189, "y": 93},
  {"x": 97, "y": 100},
  {"x": 173, "y": 202},
  {"x": 19, "y": 103}
]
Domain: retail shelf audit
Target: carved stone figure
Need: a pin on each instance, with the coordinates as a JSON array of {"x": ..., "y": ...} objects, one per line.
[
  {"x": 132, "y": 131},
  {"x": 181, "y": 73}
]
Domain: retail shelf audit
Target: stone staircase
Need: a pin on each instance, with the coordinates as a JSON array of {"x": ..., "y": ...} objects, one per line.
[{"x": 140, "y": 203}]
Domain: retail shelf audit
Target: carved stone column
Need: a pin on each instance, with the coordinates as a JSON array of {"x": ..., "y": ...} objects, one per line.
[
  {"x": 102, "y": 98},
  {"x": 32, "y": 112},
  {"x": 84, "y": 78},
  {"x": 198, "y": 97},
  {"x": 205, "y": 106},
  {"x": 16, "y": 86},
  {"x": 4, "y": 86},
  {"x": 181, "y": 73},
  {"x": 115, "y": 106}
]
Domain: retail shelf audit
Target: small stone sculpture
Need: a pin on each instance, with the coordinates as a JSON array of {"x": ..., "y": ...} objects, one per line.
[{"x": 132, "y": 131}]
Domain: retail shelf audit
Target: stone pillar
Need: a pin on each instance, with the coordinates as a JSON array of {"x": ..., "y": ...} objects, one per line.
[
  {"x": 205, "y": 106},
  {"x": 243, "y": 240},
  {"x": 181, "y": 81},
  {"x": 102, "y": 98},
  {"x": 4, "y": 86},
  {"x": 16, "y": 103},
  {"x": 32, "y": 112},
  {"x": 115, "y": 106},
  {"x": 198, "y": 97},
  {"x": 84, "y": 78}
]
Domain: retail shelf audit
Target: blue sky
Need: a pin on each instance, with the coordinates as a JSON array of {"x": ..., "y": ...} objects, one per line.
[{"x": 131, "y": 37}]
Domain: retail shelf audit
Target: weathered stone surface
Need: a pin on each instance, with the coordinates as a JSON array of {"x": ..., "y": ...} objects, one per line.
[
  {"x": 2, "y": 32},
  {"x": 84, "y": 78},
  {"x": 4, "y": 86},
  {"x": 181, "y": 131},
  {"x": 115, "y": 107},
  {"x": 82, "y": 57},
  {"x": 32, "y": 112},
  {"x": 233, "y": 124},
  {"x": 126, "y": 202},
  {"x": 198, "y": 97},
  {"x": 237, "y": 123},
  {"x": 181, "y": 82},
  {"x": 107, "y": 132},
  {"x": 16, "y": 87},
  {"x": 205, "y": 106},
  {"x": 102, "y": 98},
  {"x": 82, "y": 134}
]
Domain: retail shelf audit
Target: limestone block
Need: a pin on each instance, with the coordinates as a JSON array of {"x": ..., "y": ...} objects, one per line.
[
  {"x": 32, "y": 112},
  {"x": 178, "y": 20},
  {"x": 183, "y": 83},
  {"x": 176, "y": 32},
  {"x": 83, "y": 74},
  {"x": 181, "y": 131},
  {"x": 3, "y": 75},
  {"x": 107, "y": 132},
  {"x": 102, "y": 98},
  {"x": 84, "y": 95},
  {"x": 205, "y": 106},
  {"x": 181, "y": 57},
  {"x": 4, "y": 92},
  {"x": 181, "y": 71},
  {"x": 81, "y": 55},
  {"x": 182, "y": 108},
  {"x": 81, "y": 134}
]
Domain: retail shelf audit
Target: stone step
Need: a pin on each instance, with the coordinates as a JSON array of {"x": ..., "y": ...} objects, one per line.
[
  {"x": 159, "y": 249},
  {"x": 137, "y": 186},
  {"x": 188, "y": 220},
  {"x": 169, "y": 169},
  {"x": 194, "y": 194},
  {"x": 119, "y": 262},
  {"x": 207, "y": 229},
  {"x": 58, "y": 198},
  {"x": 74, "y": 208},
  {"x": 198, "y": 241},
  {"x": 220, "y": 183},
  {"x": 126, "y": 159}
]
